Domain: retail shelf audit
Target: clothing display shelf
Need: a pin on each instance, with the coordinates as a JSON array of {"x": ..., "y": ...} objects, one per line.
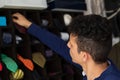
[{"x": 15, "y": 40}]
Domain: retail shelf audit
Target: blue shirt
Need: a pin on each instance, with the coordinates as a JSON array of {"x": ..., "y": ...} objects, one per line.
[
  {"x": 60, "y": 47},
  {"x": 111, "y": 73}
]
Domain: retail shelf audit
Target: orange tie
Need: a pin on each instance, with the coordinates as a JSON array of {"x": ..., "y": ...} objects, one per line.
[{"x": 27, "y": 62}]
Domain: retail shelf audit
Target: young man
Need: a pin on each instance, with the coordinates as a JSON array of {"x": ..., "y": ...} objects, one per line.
[{"x": 88, "y": 47}]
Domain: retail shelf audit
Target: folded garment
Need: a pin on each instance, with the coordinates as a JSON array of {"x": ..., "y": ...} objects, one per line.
[
  {"x": 1, "y": 67},
  {"x": 19, "y": 74},
  {"x": 18, "y": 39},
  {"x": 39, "y": 59},
  {"x": 67, "y": 5},
  {"x": 27, "y": 62},
  {"x": 7, "y": 38},
  {"x": 3, "y": 21},
  {"x": 9, "y": 62},
  {"x": 49, "y": 53},
  {"x": 36, "y": 75},
  {"x": 21, "y": 29}
]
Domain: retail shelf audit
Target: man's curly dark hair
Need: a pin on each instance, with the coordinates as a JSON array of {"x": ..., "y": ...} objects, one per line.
[{"x": 94, "y": 35}]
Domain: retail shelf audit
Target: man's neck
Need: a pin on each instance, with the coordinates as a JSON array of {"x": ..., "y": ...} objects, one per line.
[{"x": 95, "y": 70}]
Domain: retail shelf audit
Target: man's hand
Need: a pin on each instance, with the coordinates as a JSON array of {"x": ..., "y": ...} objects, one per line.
[{"x": 21, "y": 20}]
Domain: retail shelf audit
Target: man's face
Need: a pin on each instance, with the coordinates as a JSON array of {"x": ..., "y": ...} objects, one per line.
[{"x": 73, "y": 49}]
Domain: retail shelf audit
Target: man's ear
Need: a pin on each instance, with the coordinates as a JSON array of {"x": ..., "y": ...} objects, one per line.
[{"x": 84, "y": 55}]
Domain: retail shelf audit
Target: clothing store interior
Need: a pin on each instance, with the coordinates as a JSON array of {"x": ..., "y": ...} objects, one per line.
[{"x": 24, "y": 57}]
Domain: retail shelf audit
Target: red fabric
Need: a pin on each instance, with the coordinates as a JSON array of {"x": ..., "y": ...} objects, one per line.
[{"x": 1, "y": 67}]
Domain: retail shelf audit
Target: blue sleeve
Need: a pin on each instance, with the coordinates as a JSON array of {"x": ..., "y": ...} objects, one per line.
[{"x": 52, "y": 41}]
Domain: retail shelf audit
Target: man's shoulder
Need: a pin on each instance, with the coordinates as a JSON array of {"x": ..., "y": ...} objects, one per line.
[{"x": 114, "y": 76}]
